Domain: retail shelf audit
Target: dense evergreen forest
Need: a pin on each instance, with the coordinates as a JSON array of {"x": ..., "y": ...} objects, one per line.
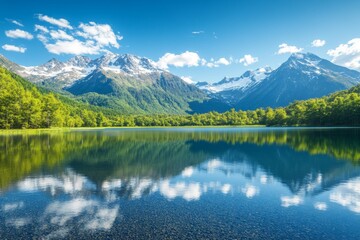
[{"x": 23, "y": 105}]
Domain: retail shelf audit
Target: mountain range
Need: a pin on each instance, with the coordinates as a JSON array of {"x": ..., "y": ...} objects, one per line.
[
  {"x": 136, "y": 85},
  {"x": 302, "y": 76},
  {"x": 128, "y": 83}
]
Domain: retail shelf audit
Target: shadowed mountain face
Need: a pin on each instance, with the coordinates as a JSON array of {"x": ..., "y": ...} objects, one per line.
[{"x": 156, "y": 92}]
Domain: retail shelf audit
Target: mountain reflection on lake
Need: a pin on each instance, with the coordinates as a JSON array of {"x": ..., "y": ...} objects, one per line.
[{"x": 189, "y": 183}]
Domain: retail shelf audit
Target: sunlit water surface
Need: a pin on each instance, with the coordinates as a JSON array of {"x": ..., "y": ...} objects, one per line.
[{"x": 187, "y": 183}]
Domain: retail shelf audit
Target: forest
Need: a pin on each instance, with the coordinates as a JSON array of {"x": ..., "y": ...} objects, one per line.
[{"x": 25, "y": 106}]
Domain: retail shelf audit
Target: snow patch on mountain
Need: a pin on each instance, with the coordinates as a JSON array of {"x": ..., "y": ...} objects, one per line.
[
  {"x": 245, "y": 81},
  {"x": 79, "y": 67}
]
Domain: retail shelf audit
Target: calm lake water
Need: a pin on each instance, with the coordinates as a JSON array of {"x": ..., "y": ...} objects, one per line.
[{"x": 187, "y": 183}]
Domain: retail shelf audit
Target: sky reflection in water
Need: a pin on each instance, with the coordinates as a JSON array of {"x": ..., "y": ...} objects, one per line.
[{"x": 109, "y": 183}]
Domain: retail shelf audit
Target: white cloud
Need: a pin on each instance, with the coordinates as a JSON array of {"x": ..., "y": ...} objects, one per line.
[
  {"x": 13, "y": 206},
  {"x": 321, "y": 206},
  {"x": 250, "y": 191},
  {"x": 214, "y": 164},
  {"x": 223, "y": 61},
  {"x": 60, "y": 34},
  {"x": 41, "y": 28},
  {"x": 92, "y": 214},
  {"x": 73, "y": 47},
  {"x": 347, "y": 54},
  {"x": 18, "y": 222},
  {"x": 189, "y": 192},
  {"x": 264, "y": 179},
  {"x": 291, "y": 201},
  {"x": 188, "y": 171},
  {"x": 225, "y": 189},
  {"x": 102, "y": 34},
  {"x": 17, "y": 23},
  {"x": 348, "y": 195},
  {"x": 189, "y": 59},
  {"x": 285, "y": 48},
  {"x": 88, "y": 38},
  {"x": 248, "y": 60},
  {"x": 19, "y": 34},
  {"x": 197, "y": 32},
  {"x": 13, "y": 48},
  {"x": 61, "y": 22},
  {"x": 42, "y": 38},
  {"x": 216, "y": 63},
  {"x": 318, "y": 43}
]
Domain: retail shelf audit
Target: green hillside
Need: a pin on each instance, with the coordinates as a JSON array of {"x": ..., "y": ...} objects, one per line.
[{"x": 23, "y": 105}]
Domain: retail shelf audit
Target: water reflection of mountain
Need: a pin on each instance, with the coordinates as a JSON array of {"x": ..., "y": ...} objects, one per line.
[
  {"x": 300, "y": 171},
  {"x": 304, "y": 160}
]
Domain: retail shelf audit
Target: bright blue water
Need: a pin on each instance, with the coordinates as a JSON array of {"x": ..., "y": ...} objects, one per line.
[{"x": 182, "y": 183}]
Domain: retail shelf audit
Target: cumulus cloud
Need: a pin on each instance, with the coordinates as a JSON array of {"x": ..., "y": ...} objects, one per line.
[
  {"x": 285, "y": 48},
  {"x": 73, "y": 47},
  {"x": 87, "y": 38},
  {"x": 41, "y": 28},
  {"x": 17, "y": 33},
  {"x": 188, "y": 59},
  {"x": 102, "y": 34},
  {"x": 188, "y": 171},
  {"x": 225, "y": 189},
  {"x": 223, "y": 61},
  {"x": 287, "y": 201},
  {"x": 217, "y": 63},
  {"x": 13, "y": 48},
  {"x": 348, "y": 195},
  {"x": 61, "y": 22},
  {"x": 318, "y": 43},
  {"x": 321, "y": 206},
  {"x": 189, "y": 192},
  {"x": 214, "y": 164},
  {"x": 248, "y": 60},
  {"x": 347, "y": 54},
  {"x": 60, "y": 34},
  {"x": 250, "y": 191}
]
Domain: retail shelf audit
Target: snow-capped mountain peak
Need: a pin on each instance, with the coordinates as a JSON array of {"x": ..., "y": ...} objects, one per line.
[
  {"x": 303, "y": 61},
  {"x": 65, "y": 73},
  {"x": 79, "y": 61},
  {"x": 245, "y": 81},
  {"x": 131, "y": 64},
  {"x": 106, "y": 60},
  {"x": 52, "y": 64},
  {"x": 59, "y": 72}
]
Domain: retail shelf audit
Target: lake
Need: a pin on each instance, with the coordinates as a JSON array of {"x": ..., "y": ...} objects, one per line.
[{"x": 187, "y": 183}]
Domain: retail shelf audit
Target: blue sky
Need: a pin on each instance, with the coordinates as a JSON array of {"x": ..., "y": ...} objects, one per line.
[{"x": 204, "y": 40}]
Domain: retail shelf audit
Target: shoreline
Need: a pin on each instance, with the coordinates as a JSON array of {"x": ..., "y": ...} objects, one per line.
[{"x": 67, "y": 129}]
